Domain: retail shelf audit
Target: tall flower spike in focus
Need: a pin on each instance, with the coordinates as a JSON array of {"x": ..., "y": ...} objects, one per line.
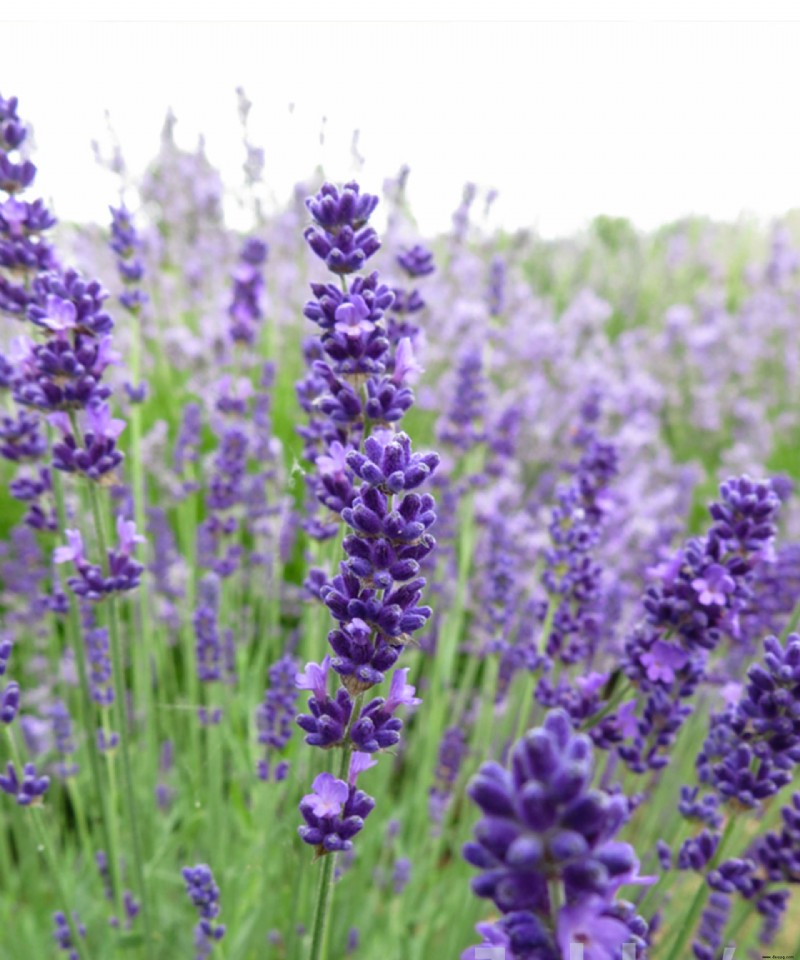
[
  {"x": 546, "y": 849},
  {"x": 368, "y": 476}
]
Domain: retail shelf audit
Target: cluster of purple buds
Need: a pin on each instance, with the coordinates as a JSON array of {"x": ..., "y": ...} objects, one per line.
[
  {"x": 274, "y": 717},
  {"x": 9, "y": 702},
  {"x": 753, "y": 746},
  {"x": 6, "y": 646},
  {"x": 95, "y": 456},
  {"x": 61, "y": 723},
  {"x": 356, "y": 380},
  {"x": 340, "y": 235},
  {"x": 546, "y": 850},
  {"x": 771, "y": 864},
  {"x": 248, "y": 285},
  {"x": 126, "y": 245},
  {"x": 496, "y": 288},
  {"x": 461, "y": 425},
  {"x": 92, "y": 583},
  {"x": 695, "y": 603},
  {"x": 226, "y": 492},
  {"x": 24, "y": 252},
  {"x": 452, "y": 751},
  {"x": 335, "y": 811},
  {"x": 96, "y": 641},
  {"x": 21, "y": 439},
  {"x": 571, "y": 575},
  {"x": 65, "y": 371},
  {"x": 29, "y": 790},
  {"x": 416, "y": 262},
  {"x": 63, "y": 935},
  {"x": 204, "y": 894}
]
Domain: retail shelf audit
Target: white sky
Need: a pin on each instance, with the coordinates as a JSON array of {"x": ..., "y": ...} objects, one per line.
[{"x": 649, "y": 120}]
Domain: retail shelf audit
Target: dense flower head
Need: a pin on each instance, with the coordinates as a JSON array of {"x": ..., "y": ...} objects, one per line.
[
  {"x": 27, "y": 790},
  {"x": 274, "y": 716},
  {"x": 65, "y": 301},
  {"x": 394, "y": 614},
  {"x": 327, "y": 723},
  {"x": 543, "y": 823},
  {"x": 542, "y": 820},
  {"x": 361, "y": 658},
  {"x": 452, "y": 751},
  {"x": 754, "y": 744},
  {"x": 376, "y": 727},
  {"x": 92, "y": 583},
  {"x": 204, "y": 894},
  {"x": 98, "y": 456},
  {"x": 126, "y": 245},
  {"x": 9, "y": 702},
  {"x": 6, "y": 647},
  {"x": 340, "y": 236},
  {"x": 335, "y": 811},
  {"x": 63, "y": 935},
  {"x": 21, "y": 437},
  {"x": 333, "y": 209},
  {"x": 245, "y": 310},
  {"x": 462, "y": 424},
  {"x": 63, "y": 373},
  {"x": 12, "y": 130},
  {"x": 416, "y": 261},
  {"x": 696, "y": 601},
  {"x": 366, "y": 297},
  {"x": 389, "y": 464}
]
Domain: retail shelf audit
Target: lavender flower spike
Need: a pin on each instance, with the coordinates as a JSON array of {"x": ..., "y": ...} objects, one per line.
[
  {"x": 545, "y": 829},
  {"x": 204, "y": 894}
]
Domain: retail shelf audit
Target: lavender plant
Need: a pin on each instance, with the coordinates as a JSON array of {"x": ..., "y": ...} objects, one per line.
[{"x": 218, "y": 530}]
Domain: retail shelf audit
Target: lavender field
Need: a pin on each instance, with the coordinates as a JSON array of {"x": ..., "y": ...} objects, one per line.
[{"x": 373, "y": 594}]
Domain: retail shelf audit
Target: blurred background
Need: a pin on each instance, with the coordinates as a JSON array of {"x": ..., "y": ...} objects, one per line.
[{"x": 651, "y": 121}]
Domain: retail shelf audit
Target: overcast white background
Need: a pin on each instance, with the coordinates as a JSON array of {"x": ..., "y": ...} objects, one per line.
[{"x": 649, "y": 120}]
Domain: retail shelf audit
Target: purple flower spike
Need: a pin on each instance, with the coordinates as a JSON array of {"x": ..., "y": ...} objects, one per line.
[
  {"x": 334, "y": 814},
  {"x": 417, "y": 262},
  {"x": 204, "y": 894},
  {"x": 543, "y": 825}
]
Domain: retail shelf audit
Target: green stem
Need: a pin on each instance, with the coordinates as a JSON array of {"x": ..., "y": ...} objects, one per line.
[
  {"x": 122, "y": 723},
  {"x": 78, "y": 942},
  {"x": 89, "y": 715},
  {"x": 323, "y": 909},
  {"x": 46, "y": 847}
]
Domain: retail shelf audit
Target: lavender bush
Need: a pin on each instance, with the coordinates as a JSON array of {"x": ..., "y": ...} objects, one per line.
[{"x": 432, "y": 596}]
